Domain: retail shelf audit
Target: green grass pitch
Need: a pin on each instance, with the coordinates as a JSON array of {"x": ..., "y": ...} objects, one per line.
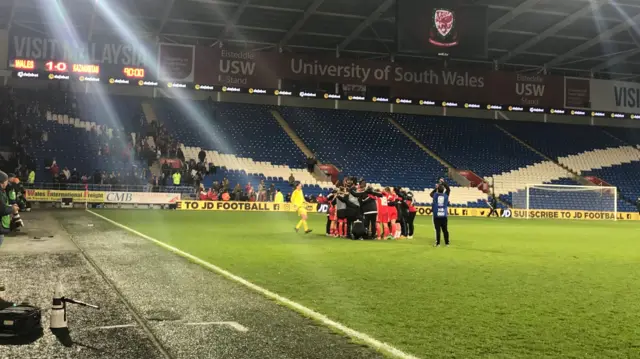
[{"x": 504, "y": 289}]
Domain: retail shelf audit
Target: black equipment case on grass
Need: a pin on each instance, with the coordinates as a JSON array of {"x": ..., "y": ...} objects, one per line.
[{"x": 19, "y": 320}]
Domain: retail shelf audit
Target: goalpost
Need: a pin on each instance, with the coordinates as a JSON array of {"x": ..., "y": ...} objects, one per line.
[{"x": 567, "y": 201}]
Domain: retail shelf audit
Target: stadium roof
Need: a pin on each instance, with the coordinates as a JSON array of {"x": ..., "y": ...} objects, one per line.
[{"x": 572, "y": 37}]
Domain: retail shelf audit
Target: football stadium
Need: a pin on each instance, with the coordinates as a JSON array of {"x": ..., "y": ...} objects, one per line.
[{"x": 317, "y": 179}]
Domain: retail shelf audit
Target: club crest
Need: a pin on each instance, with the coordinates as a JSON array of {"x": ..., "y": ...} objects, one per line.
[{"x": 444, "y": 21}]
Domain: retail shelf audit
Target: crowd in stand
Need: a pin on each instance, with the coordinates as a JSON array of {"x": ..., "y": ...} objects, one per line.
[
  {"x": 16, "y": 132},
  {"x": 263, "y": 192},
  {"x": 221, "y": 191}
]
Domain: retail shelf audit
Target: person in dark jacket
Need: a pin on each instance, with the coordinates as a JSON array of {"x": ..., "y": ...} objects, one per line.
[
  {"x": 493, "y": 205},
  {"x": 351, "y": 210},
  {"x": 412, "y": 214},
  {"x": 368, "y": 207},
  {"x": 403, "y": 212},
  {"x": 12, "y": 190},
  {"x": 440, "y": 211},
  {"x": 341, "y": 212},
  {"x": 6, "y": 209}
]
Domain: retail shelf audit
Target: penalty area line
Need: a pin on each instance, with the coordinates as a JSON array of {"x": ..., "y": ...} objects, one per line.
[{"x": 362, "y": 337}]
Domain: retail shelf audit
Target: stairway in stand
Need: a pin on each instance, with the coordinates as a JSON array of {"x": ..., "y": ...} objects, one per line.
[
  {"x": 150, "y": 115},
  {"x": 318, "y": 175}
]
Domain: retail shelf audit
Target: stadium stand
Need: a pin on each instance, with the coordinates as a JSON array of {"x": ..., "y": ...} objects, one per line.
[
  {"x": 556, "y": 140},
  {"x": 625, "y": 177},
  {"x": 629, "y": 135},
  {"x": 249, "y": 145},
  {"x": 74, "y": 144},
  {"x": 363, "y": 144},
  {"x": 476, "y": 145},
  {"x": 598, "y": 158},
  {"x": 247, "y": 131},
  {"x": 124, "y": 112},
  {"x": 242, "y": 170}
]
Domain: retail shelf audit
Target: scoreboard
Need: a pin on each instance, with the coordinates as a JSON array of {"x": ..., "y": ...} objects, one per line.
[{"x": 83, "y": 72}]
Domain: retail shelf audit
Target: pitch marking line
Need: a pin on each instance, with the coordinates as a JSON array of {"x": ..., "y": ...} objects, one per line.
[
  {"x": 107, "y": 327},
  {"x": 374, "y": 343},
  {"x": 233, "y": 325}
]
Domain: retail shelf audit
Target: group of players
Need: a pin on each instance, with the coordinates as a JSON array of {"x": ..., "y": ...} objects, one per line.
[
  {"x": 361, "y": 212},
  {"x": 386, "y": 213}
]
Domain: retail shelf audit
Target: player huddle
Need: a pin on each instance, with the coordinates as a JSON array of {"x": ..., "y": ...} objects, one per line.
[{"x": 360, "y": 212}]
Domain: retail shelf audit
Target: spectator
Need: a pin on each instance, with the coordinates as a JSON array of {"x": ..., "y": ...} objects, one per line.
[
  {"x": 311, "y": 164},
  {"x": 66, "y": 174},
  {"x": 278, "y": 198},
  {"x": 271, "y": 192},
  {"x": 176, "y": 178},
  {"x": 203, "y": 195},
  {"x": 75, "y": 176},
  {"x": 55, "y": 169},
  {"x": 262, "y": 192},
  {"x": 292, "y": 180},
  {"x": 225, "y": 196},
  {"x": 248, "y": 189},
  {"x": 32, "y": 177},
  {"x": 288, "y": 198},
  {"x": 237, "y": 192},
  {"x": 97, "y": 177},
  {"x": 225, "y": 184},
  {"x": 202, "y": 156},
  {"x": 212, "y": 195},
  {"x": 179, "y": 153}
]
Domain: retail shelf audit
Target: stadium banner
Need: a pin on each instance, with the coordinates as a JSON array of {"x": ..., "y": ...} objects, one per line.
[
  {"x": 208, "y": 66},
  {"x": 261, "y": 71},
  {"x": 38, "y": 56},
  {"x": 176, "y": 62},
  {"x": 455, "y": 211},
  {"x": 615, "y": 96},
  {"x": 45, "y": 195},
  {"x": 239, "y": 206},
  {"x": 573, "y": 214},
  {"x": 421, "y": 211},
  {"x": 141, "y": 197}
]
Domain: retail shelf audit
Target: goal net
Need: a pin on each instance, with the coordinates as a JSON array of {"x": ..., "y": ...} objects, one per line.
[{"x": 566, "y": 202}]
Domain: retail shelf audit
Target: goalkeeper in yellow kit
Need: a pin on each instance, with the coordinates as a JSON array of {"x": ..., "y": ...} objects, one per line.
[{"x": 297, "y": 199}]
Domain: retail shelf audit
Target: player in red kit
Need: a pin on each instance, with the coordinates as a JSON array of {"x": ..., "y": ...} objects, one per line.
[
  {"x": 392, "y": 212},
  {"x": 333, "y": 216},
  {"x": 383, "y": 216}
]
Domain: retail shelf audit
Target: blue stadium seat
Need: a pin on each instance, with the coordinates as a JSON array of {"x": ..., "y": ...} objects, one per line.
[
  {"x": 470, "y": 144},
  {"x": 557, "y": 140},
  {"x": 243, "y": 130},
  {"x": 364, "y": 144},
  {"x": 626, "y": 177},
  {"x": 628, "y": 135}
]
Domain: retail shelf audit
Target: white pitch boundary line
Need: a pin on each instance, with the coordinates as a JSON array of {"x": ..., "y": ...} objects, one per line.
[
  {"x": 234, "y": 325},
  {"x": 374, "y": 343},
  {"x": 107, "y": 327}
]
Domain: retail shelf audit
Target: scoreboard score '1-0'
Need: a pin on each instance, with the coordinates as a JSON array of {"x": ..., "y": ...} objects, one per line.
[{"x": 27, "y": 68}]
